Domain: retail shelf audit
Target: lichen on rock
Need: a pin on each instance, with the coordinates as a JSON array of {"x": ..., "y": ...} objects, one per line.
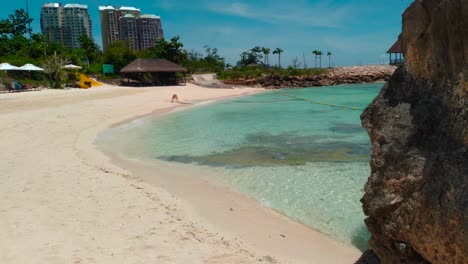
[{"x": 416, "y": 198}]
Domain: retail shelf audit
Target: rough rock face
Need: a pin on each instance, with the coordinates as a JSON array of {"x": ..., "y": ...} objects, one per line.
[{"x": 416, "y": 198}]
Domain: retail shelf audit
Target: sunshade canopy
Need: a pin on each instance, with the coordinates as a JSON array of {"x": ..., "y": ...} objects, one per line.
[
  {"x": 8, "y": 67},
  {"x": 30, "y": 67},
  {"x": 72, "y": 67}
]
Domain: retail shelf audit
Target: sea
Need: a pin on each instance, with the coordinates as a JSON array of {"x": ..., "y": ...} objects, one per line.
[{"x": 309, "y": 161}]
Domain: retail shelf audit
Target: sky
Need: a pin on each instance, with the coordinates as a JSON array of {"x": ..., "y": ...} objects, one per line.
[{"x": 355, "y": 31}]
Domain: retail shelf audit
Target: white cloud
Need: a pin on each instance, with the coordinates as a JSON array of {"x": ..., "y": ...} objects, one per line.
[
  {"x": 239, "y": 9},
  {"x": 318, "y": 15}
]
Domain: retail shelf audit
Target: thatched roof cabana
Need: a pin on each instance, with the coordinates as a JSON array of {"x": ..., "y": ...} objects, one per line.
[
  {"x": 396, "y": 48},
  {"x": 152, "y": 65},
  {"x": 396, "y": 53},
  {"x": 154, "y": 71}
]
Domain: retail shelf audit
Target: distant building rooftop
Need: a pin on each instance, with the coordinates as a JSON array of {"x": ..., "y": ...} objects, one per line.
[
  {"x": 150, "y": 16},
  {"x": 51, "y": 5},
  {"x": 129, "y": 8},
  {"x": 129, "y": 16},
  {"x": 76, "y": 6},
  {"x": 109, "y": 7},
  {"x": 126, "y": 8}
]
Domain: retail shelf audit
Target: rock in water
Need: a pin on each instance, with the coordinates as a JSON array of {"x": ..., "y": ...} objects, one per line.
[{"x": 416, "y": 197}]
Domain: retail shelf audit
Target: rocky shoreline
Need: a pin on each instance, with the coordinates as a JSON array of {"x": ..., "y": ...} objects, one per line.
[{"x": 337, "y": 76}]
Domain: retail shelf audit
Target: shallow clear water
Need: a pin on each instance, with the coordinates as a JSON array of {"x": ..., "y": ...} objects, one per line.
[{"x": 307, "y": 161}]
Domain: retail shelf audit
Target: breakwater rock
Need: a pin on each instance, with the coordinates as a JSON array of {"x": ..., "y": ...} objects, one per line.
[
  {"x": 416, "y": 198},
  {"x": 342, "y": 75}
]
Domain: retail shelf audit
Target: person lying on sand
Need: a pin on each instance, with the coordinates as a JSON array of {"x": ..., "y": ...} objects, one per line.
[{"x": 175, "y": 98}]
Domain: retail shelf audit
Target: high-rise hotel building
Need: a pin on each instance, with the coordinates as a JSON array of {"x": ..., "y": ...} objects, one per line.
[
  {"x": 52, "y": 22},
  {"x": 110, "y": 22},
  {"x": 126, "y": 24},
  {"x": 149, "y": 30},
  {"x": 77, "y": 22},
  {"x": 128, "y": 31},
  {"x": 64, "y": 25}
]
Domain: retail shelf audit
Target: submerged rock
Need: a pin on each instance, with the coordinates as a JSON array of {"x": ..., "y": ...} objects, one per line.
[{"x": 416, "y": 197}]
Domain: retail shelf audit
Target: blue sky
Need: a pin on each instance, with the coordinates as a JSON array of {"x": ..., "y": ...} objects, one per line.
[{"x": 353, "y": 30}]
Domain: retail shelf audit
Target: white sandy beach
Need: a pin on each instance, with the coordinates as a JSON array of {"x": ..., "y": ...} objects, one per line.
[{"x": 64, "y": 201}]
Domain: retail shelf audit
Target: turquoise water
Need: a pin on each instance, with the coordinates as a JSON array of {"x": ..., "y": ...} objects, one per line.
[{"x": 307, "y": 161}]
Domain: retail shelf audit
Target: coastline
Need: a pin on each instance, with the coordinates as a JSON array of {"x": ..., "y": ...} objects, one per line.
[
  {"x": 58, "y": 187},
  {"x": 336, "y": 76},
  {"x": 263, "y": 228}
]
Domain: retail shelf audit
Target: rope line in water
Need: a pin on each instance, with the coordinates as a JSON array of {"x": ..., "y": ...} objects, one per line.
[
  {"x": 263, "y": 101},
  {"x": 318, "y": 103}
]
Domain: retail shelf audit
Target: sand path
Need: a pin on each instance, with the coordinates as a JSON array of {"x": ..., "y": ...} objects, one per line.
[{"x": 63, "y": 201}]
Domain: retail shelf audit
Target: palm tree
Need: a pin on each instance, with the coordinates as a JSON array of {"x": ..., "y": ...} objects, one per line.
[
  {"x": 329, "y": 54},
  {"x": 266, "y": 52},
  {"x": 319, "y": 54},
  {"x": 244, "y": 57},
  {"x": 278, "y": 51},
  {"x": 315, "y": 52}
]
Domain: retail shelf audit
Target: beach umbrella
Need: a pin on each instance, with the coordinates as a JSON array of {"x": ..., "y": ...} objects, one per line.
[
  {"x": 71, "y": 67},
  {"x": 8, "y": 67},
  {"x": 30, "y": 67}
]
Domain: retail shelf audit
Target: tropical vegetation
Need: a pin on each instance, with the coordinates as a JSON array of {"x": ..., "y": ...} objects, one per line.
[
  {"x": 278, "y": 51},
  {"x": 245, "y": 73},
  {"x": 19, "y": 45}
]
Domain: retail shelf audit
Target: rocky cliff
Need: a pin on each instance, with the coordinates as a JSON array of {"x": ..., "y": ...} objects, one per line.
[{"x": 416, "y": 198}]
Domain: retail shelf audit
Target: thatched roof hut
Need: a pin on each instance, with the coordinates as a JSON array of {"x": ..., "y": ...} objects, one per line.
[
  {"x": 153, "y": 71},
  {"x": 152, "y": 65},
  {"x": 396, "y": 48},
  {"x": 396, "y": 53}
]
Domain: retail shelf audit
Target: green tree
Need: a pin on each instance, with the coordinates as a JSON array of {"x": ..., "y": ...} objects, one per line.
[
  {"x": 53, "y": 68},
  {"x": 194, "y": 55},
  {"x": 13, "y": 43},
  {"x": 315, "y": 52},
  {"x": 16, "y": 24},
  {"x": 90, "y": 48},
  {"x": 257, "y": 52},
  {"x": 252, "y": 56},
  {"x": 119, "y": 55},
  {"x": 170, "y": 50},
  {"x": 329, "y": 54},
  {"x": 266, "y": 53},
  {"x": 6, "y": 27},
  {"x": 213, "y": 60},
  {"x": 39, "y": 45},
  {"x": 278, "y": 51},
  {"x": 319, "y": 54},
  {"x": 200, "y": 63}
]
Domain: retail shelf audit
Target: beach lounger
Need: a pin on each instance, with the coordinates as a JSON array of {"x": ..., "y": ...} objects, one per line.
[{"x": 17, "y": 86}]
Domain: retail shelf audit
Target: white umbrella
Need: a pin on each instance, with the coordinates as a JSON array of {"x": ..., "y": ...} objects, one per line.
[
  {"x": 72, "y": 67},
  {"x": 30, "y": 67},
  {"x": 8, "y": 67}
]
